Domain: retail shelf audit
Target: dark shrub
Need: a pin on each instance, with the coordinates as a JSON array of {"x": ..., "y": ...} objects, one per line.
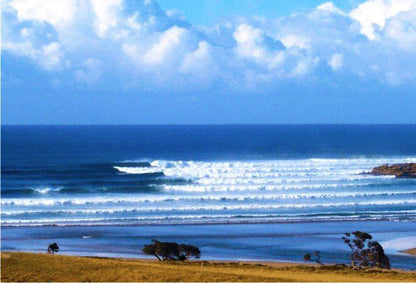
[
  {"x": 171, "y": 251},
  {"x": 53, "y": 248},
  {"x": 365, "y": 252}
]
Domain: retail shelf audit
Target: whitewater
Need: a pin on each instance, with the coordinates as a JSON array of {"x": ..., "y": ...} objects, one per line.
[
  {"x": 185, "y": 192},
  {"x": 239, "y": 192}
]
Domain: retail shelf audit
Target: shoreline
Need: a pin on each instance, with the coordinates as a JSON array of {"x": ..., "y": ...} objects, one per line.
[
  {"x": 182, "y": 223},
  {"x": 411, "y": 251},
  {"x": 19, "y": 266},
  {"x": 256, "y": 242}
]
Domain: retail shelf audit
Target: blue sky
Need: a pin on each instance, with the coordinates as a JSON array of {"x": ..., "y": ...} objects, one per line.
[
  {"x": 208, "y": 62},
  {"x": 202, "y": 12}
]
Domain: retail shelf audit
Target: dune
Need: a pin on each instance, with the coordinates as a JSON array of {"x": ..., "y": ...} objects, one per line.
[{"x": 43, "y": 267}]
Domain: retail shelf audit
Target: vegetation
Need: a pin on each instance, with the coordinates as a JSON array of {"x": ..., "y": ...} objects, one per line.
[
  {"x": 317, "y": 258},
  {"x": 29, "y": 267},
  {"x": 365, "y": 252},
  {"x": 171, "y": 251},
  {"x": 53, "y": 248}
]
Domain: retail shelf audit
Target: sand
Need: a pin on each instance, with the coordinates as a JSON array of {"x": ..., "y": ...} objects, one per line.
[
  {"x": 44, "y": 267},
  {"x": 410, "y": 251}
]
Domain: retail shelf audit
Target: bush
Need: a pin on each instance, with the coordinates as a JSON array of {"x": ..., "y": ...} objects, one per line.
[
  {"x": 171, "y": 251},
  {"x": 365, "y": 252},
  {"x": 53, "y": 248},
  {"x": 317, "y": 258}
]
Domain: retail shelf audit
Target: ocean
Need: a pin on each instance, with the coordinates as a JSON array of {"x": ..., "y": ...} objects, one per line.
[{"x": 87, "y": 186}]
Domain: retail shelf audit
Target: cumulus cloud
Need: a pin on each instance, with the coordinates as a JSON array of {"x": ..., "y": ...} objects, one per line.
[
  {"x": 329, "y": 6},
  {"x": 373, "y": 14},
  {"x": 167, "y": 45},
  {"x": 138, "y": 44}
]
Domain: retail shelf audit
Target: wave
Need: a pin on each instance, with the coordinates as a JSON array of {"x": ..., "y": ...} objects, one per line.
[
  {"x": 139, "y": 170},
  {"x": 148, "y": 189},
  {"x": 208, "y": 219},
  {"x": 226, "y": 198},
  {"x": 124, "y": 211}
]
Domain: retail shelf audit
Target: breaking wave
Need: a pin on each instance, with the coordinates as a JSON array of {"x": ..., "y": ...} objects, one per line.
[{"x": 165, "y": 191}]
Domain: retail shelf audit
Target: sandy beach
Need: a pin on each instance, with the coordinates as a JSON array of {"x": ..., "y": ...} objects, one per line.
[
  {"x": 410, "y": 251},
  {"x": 44, "y": 267}
]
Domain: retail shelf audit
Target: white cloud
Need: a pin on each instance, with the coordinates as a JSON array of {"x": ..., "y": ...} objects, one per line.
[
  {"x": 336, "y": 61},
  {"x": 52, "y": 55},
  {"x": 249, "y": 42},
  {"x": 143, "y": 43},
  {"x": 106, "y": 13},
  {"x": 253, "y": 44},
  {"x": 330, "y": 7},
  {"x": 401, "y": 30},
  {"x": 166, "y": 45},
  {"x": 57, "y": 13},
  {"x": 304, "y": 65},
  {"x": 292, "y": 40},
  {"x": 199, "y": 59},
  {"x": 372, "y": 15}
]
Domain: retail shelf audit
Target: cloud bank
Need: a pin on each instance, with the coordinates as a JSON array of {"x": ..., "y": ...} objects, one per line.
[{"x": 138, "y": 46}]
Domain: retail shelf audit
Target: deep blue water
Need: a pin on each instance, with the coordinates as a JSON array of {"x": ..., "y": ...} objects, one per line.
[
  {"x": 158, "y": 175},
  {"x": 30, "y": 145}
]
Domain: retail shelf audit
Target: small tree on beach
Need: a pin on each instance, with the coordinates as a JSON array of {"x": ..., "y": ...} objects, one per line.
[
  {"x": 53, "y": 248},
  {"x": 151, "y": 250},
  {"x": 171, "y": 251},
  {"x": 317, "y": 258},
  {"x": 365, "y": 252},
  {"x": 189, "y": 251}
]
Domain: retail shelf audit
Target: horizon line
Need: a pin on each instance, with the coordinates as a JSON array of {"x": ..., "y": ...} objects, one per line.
[{"x": 227, "y": 124}]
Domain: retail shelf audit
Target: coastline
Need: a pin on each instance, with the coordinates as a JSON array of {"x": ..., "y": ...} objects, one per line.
[
  {"x": 249, "y": 242},
  {"x": 17, "y": 266},
  {"x": 202, "y": 223},
  {"x": 411, "y": 252}
]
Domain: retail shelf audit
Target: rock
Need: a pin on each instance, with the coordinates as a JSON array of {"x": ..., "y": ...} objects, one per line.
[{"x": 403, "y": 170}]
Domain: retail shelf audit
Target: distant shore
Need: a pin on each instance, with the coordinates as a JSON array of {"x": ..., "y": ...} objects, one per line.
[
  {"x": 17, "y": 266},
  {"x": 410, "y": 251}
]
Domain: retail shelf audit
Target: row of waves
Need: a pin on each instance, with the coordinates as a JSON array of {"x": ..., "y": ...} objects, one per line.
[
  {"x": 216, "y": 218},
  {"x": 215, "y": 208},
  {"x": 299, "y": 166},
  {"x": 187, "y": 186},
  {"x": 140, "y": 191},
  {"x": 157, "y": 199}
]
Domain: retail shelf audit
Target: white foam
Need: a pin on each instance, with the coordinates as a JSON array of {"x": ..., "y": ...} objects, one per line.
[
  {"x": 399, "y": 244},
  {"x": 43, "y": 190},
  {"x": 250, "y": 187},
  {"x": 217, "y": 207},
  {"x": 138, "y": 170},
  {"x": 259, "y": 196}
]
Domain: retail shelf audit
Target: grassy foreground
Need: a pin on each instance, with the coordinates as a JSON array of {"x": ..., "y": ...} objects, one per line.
[{"x": 43, "y": 267}]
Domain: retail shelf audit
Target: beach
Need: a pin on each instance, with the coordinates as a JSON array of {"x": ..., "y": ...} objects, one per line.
[
  {"x": 167, "y": 141},
  {"x": 286, "y": 242},
  {"x": 238, "y": 192},
  {"x": 43, "y": 267}
]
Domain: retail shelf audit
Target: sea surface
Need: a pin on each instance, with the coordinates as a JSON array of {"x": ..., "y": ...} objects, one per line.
[{"x": 59, "y": 180}]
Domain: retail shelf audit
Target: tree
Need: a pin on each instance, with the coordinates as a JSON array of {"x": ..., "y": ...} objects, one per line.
[
  {"x": 151, "y": 250},
  {"x": 189, "y": 251},
  {"x": 365, "y": 252},
  {"x": 317, "y": 259},
  {"x": 171, "y": 251},
  {"x": 53, "y": 248}
]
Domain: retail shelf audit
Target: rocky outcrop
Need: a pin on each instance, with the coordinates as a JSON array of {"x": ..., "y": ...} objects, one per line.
[{"x": 403, "y": 170}]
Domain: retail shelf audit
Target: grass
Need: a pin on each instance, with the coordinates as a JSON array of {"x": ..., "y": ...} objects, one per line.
[{"x": 44, "y": 267}]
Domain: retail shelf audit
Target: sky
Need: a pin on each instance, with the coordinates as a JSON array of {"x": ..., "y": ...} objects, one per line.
[{"x": 208, "y": 62}]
